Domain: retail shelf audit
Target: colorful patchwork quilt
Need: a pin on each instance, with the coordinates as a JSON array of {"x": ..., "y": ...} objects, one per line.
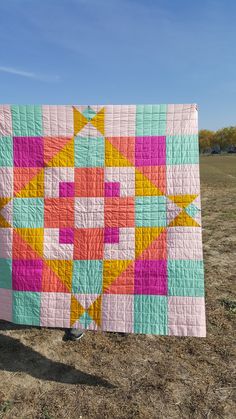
[{"x": 100, "y": 219}]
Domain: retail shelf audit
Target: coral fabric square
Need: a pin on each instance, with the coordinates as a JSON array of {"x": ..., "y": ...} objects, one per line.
[
  {"x": 89, "y": 182},
  {"x": 59, "y": 212},
  {"x": 119, "y": 212},
  {"x": 89, "y": 243}
]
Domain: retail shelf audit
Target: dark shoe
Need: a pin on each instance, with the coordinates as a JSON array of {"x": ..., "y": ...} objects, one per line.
[{"x": 72, "y": 334}]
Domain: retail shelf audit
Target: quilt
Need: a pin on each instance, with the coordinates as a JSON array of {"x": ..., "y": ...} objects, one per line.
[{"x": 100, "y": 218}]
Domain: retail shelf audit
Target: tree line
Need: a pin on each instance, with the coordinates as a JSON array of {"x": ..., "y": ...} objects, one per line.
[{"x": 223, "y": 139}]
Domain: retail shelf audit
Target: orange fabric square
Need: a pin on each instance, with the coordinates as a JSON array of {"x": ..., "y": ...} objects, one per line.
[
  {"x": 58, "y": 212},
  {"x": 89, "y": 182},
  {"x": 88, "y": 243},
  {"x": 119, "y": 212}
]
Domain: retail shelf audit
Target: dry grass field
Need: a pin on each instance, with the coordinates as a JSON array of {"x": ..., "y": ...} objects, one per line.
[{"x": 114, "y": 376}]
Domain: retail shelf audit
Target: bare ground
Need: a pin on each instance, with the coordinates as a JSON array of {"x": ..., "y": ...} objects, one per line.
[{"x": 114, "y": 376}]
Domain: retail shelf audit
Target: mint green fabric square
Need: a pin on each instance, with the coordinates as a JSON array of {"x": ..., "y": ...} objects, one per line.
[
  {"x": 185, "y": 278},
  {"x": 150, "y": 211},
  {"x": 26, "y": 308},
  {"x": 150, "y": 314},
  {"x": 6, "y": 152},
  {"x": 182, "y": 149},
  {"x": 89, "y": 152},
  {"x": 6, "y": 273},
  {"x": 28, "y": 212},
  {"x": 27, "y": 120},
  {"x": 87, "y": 276},
  {"x": 150, "y": 120}
]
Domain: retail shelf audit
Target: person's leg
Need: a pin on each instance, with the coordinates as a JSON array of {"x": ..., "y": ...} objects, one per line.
[{"x": 73, "y": 334}]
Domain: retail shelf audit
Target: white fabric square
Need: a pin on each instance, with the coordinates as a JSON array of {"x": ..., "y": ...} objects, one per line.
[
  {"x": 89, "y": 212},
  {"x": 120, "y": 121}
]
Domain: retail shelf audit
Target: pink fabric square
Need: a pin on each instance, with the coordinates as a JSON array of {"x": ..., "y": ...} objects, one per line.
[
  {"x": 67, "y": 189},
  {"x": 6, "y": 305},
  {"x": 150, "y": 151},
  {"x": 186, "y": 316},
  {"x": 5, "y": 121},
  {"x": 117, "y": 313},
  {"x": 66, "y": 236},
  {"x": 27, "y": 275},
  {"x": 111, "y": 235},
  {"x": 28, "y": 152},
  {"x": 112, "y": 189},
  {"x": 55, "y": 309},
  {"x": 150, "y": 277}
]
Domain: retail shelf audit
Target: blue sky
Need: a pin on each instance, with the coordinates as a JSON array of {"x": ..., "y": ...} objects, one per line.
[{"x": 121, "y": 51}]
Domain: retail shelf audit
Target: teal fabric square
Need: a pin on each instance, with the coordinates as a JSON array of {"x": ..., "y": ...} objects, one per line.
[
  {"x": 87, "y": 276},
  {"x": 150, "y": 211},
  {"x": 6, "y": 273},
  {"x": 182, "y": 149},
  {"x": 89, "y": 152},
  {"x": 185, "y": 278},
  {"x": 28, "y": 212},
  {"x": 6, "y": 152},
  {"x": 26, "y": 308},
  {"x": 27, "y": 120},
  {"x": 150, "y": 314},
  {"x": 150, "y": 120}
]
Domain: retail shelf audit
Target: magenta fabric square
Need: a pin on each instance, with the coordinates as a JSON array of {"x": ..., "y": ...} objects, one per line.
[
  {"x": 67, "y": 189},
  {"x": 27, "y": 275},
  {"x": 28, "y": 152},
  {"x": 150, "y": 277},
  {"x": 66, "y": 236},
  {"x": 111, "y": 235},
  {"x": 150, "y": 151},
  {"x": 112, "y": 189}
]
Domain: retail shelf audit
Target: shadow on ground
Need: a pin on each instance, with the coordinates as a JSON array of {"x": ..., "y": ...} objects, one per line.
[{"x": 17, "y": 357}]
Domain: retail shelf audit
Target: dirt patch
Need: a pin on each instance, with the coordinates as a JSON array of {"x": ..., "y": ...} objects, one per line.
[{"x": 114, "y": 376}]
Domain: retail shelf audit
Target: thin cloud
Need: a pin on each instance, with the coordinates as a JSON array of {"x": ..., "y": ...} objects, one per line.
[{"x": 28, "y": 74}]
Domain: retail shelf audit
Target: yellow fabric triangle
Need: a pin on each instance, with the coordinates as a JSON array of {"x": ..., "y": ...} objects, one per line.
[
  {"x": 33, "y": 237},
  {"x": 63, "y": 269},
  {"x": 183, "y": 220},
  {"x": 3, "y": 202},
  {"x": 79, "y": 121},
  {"x": 182, "y": 201},
  {"x": 35, "y": 188},
  {"x": 65, "y": 157},
  {"x": 98, "y": 121},
  {"x": 144, "y": 236},
  {"x": 112, "y": 269},
  {"x": 95, "y": 310},
  {"x": 113, "y": 158},
  {"x": 3, "y": 222},
  {"x": 144, "y": 187},
  {"x": 76, "y": 310}
]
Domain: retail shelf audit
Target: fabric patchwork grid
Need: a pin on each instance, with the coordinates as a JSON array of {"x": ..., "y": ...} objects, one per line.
[{"x": 100, "y": 218}]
